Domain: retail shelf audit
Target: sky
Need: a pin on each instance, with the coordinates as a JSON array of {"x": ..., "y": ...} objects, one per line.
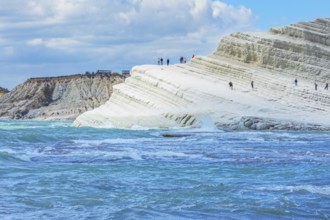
[{"x": 40, "y": 38}]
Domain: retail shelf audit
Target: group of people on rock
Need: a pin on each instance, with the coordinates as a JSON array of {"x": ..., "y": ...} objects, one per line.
[
  {"x": 315, "y": 85},
  {"x": 160, "y": 61},
  {"x": 182, "y": 60},
  {"x": 326, "y": 87},
  {"x": 231, "y": 85}
]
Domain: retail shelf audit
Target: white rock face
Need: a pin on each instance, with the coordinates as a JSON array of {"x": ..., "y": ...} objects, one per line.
[{"x": 197, "y": 93}]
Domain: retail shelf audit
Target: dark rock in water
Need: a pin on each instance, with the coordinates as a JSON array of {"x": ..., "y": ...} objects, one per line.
[
  {"x": 58, "y": 98},
  {"x": 175, "y": 135}
]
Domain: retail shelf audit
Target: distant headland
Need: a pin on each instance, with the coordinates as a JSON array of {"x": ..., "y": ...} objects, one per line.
[{"x": 59, "y": 98}]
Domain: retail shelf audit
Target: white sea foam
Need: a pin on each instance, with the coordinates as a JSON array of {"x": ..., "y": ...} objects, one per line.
[
  {"x": 170, "y": 154},
  {"x": 324, "y": 190},
  {"x": 206, "y": 124},
  {"x": 105, "y": 154},
  {"x": 23, "y": 156},
  {"x": 8, "y": 151},
  {"x": 112, "y": 141},
  {"x": 18, "y": 127},
  {"x": 127, "y": 153},
  {"x": 60, "y": 124},
  {"x": 14, "y": 125},
  {"x": 140, "y": 155}
]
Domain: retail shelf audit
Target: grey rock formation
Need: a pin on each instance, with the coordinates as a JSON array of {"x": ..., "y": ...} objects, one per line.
[{"x": 58, "y": 98}]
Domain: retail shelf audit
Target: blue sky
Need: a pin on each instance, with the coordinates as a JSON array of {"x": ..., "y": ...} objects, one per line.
[{"x": 62, "y": 37}]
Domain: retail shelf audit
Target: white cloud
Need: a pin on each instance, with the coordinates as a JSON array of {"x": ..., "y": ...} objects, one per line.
[
  {"x": 200, "y": 8},
  {"x": 67, "y": 44},
  {"x": 62, "y": 43},
  {"x": 229, "y": 14},
  {"x": 35, "y": 42},
  {"x": 115, "y": 33}
]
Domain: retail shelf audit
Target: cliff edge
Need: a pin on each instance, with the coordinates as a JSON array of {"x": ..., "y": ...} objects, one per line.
[
  {"x": 58, "y": 98},
  {"x": 279, "y": 81}
]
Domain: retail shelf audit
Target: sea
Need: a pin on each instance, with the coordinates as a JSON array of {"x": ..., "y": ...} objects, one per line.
[{"x": 51, "y": 170}]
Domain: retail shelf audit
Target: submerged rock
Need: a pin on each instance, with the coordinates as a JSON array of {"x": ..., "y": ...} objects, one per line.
[
  {"x": 175, "y": 135},
  {"x": 58, "y": 98},
  {"x": 181, "y": 95}
]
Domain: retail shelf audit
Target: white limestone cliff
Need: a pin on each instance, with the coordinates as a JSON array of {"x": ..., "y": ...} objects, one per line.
[{"x": 193, "y": 93}]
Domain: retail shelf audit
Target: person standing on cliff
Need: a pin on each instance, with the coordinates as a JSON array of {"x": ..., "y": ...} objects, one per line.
[
  {"x": 326, "y": 86},
  {"x": 296, "y": 82},
  {"x": 161, "y": 61},
  {"x": 252, "y": 84},
  {"x": 231, "y": 86},
  {"x": 315, "y": 85},
  {"x": 168, "y": 61}
]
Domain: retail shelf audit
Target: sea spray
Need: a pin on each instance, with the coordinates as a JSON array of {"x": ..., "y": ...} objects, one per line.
[{"x": 206, "y": 123}]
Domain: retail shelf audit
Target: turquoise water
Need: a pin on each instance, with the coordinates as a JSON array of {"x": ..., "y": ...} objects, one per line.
[{"x": 50, "y": 170}]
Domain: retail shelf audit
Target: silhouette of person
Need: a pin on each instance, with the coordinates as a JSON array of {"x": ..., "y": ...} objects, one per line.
[
  {"x": 315, "y": 85},
  {"x": 296, "y": 82},
  {"x": 161, "y": 61},
  {"x": 252, "y": 84},
  {"x": 231, "y": 85},
  {"x": 168, "y": 61},
  {"x": 326, "y": 86}
]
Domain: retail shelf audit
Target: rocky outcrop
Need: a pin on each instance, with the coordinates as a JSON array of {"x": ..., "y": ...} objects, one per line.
[
  {"x": 58, "y": 98},
  {"x": 3, "y": 91},
  {"x": 197, "y": 93}
]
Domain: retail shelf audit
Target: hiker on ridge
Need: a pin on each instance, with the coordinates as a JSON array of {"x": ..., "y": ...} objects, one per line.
[{"x": 231, "y": 86}]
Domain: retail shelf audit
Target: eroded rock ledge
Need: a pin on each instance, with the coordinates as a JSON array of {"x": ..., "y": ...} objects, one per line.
[{"x": 255, "y": 123}]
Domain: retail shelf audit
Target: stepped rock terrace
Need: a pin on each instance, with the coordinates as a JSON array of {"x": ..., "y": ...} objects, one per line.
[{"x": 196, "y": 93}]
